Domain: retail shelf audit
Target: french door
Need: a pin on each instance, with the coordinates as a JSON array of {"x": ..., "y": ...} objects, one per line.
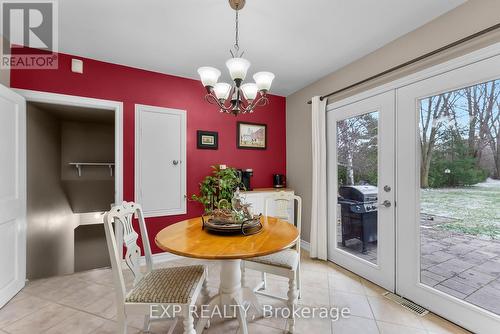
[
  {"x": 431, "y": 145},
  {"x": 448, "y": 213},
  {"x": 361, "y": 188}
]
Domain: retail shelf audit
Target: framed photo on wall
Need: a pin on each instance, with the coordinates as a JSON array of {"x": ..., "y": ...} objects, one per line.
[
  {"x": 251, "y": 136},
  {"x": 207, "y": 140}
]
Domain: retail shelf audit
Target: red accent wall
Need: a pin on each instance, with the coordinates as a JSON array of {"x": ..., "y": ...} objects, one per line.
[{"x": 131, "y": 85}]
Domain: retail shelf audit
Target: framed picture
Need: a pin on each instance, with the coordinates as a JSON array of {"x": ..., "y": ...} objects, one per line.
[
  {"x": 252, "y": 136},
  {"x": 207, "y": 140}
]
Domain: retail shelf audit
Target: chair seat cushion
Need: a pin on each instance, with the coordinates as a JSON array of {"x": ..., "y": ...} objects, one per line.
[
  {"x": 167, "y": 285},
  {"x": 287, "y": 258}
]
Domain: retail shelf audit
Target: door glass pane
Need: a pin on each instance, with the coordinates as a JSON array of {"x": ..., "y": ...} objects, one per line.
[
  {"x": 357, "y": 173},
  {"x": 460, "y": 193}
]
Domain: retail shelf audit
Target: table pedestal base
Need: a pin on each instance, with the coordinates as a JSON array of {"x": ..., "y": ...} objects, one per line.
[{"x": 232, "y": 297}]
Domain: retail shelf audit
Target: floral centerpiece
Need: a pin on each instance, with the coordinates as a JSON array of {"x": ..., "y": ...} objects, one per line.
[
  {"x": 217, "y": 189},
  {"x": 222, "y": 200}
]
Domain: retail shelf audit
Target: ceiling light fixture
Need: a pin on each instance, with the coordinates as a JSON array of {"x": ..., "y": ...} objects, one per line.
[{"x": 238, "y": 98}]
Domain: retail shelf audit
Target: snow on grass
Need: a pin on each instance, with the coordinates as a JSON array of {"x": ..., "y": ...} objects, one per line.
[{"x": 477, "y": 206}]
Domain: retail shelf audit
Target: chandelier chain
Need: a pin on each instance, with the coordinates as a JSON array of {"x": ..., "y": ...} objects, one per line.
[{"x": 236, "y": 45}]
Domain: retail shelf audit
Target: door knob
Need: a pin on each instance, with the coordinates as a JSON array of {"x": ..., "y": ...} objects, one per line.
[
  {"x": 175, "y": 162},
  {"x": 386, "y": 203},
  {"x": 387, "y": 188}
]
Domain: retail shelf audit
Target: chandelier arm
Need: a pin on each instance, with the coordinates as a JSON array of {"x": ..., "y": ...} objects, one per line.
[
  {"x": 210, "y": 98},
  {"x": 263, "y": 101},
  {"x": 259, "y": 102}
]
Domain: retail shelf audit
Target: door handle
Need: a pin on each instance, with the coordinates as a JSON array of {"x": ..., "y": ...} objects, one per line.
[
  {"x": 386, "y": 203},
  {"x": 175, "y": 162}
]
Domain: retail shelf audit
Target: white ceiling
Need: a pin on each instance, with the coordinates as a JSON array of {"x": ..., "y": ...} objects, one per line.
[{"x": 299, "y": 40}]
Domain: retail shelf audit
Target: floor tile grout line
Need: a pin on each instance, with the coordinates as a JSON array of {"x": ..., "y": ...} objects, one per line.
[
  {"x": 95, "y": 315},
  {"x": 332, "y": 303},
  {"x": 74, "y": 308},
  {"x": 332, "y": 274},
  {"x": 11, "y": 323},
  {"x": 373, "y": 313},
  {"x": 423, "y": 329},
  {"x": 395, "y": 323},
  {"x": 59, "y": 322}
]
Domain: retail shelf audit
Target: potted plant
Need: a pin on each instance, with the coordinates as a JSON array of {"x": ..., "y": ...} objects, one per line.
[{"x": 218, "y": 187}]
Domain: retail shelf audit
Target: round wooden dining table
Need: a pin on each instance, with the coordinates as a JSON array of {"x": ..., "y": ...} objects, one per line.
[{"x": 187, "y": 238}]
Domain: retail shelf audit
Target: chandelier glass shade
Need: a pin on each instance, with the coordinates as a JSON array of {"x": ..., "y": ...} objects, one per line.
[{"x": 238, "y": 97}]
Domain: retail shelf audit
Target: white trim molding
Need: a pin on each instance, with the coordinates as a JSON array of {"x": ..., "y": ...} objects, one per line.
[
  {"x": 305, "y": 245},
  {"x": 86, "y": 102},
  {"x": 157, "y": 258},
  {"x": 467, "y": 59}
]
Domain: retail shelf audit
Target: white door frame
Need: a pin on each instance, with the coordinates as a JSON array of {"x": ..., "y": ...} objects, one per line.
[
  {"x": 454, "y": 64},
  {"x": 381, "y": 272},
  {"x": 86, "y": 102},
  {"x": 408, "y": 183},
  {"x": 13, "y": 205}
]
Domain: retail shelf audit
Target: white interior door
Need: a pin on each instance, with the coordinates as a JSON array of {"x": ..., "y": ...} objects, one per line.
[
  {"x": 361, "y": 154},
  {"x": 448, "y": 141},
  {"x": 12, "y": 194},
  {"x": 160, "y": 160}
]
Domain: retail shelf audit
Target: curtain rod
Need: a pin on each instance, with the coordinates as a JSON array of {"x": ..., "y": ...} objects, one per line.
[{"x": 410, "y": 62}]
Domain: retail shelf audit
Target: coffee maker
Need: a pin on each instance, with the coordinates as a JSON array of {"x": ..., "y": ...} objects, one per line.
[
  {"x": 279, "y": 181},
  {"x": 245, "y": 175}
]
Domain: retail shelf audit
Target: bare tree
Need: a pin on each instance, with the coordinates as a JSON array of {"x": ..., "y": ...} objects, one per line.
[
  {"x": 346, "y": 131},
  {"x": 470, "y": 114},
  {"x": 434, "y": 111},
  {"x": 354, "y": 137},
  {"x": 481, "y": 99},
  {"x": 494, "y": 137}
]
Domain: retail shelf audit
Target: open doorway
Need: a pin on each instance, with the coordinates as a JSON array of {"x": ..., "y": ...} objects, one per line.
[{"x": 72, "y": 177}]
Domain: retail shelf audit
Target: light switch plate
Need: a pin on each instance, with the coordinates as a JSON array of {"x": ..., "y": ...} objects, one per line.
[{"x": 76, "y": 65}]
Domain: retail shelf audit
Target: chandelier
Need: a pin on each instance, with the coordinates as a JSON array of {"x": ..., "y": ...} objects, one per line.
[{"x": 237, "y": 98}]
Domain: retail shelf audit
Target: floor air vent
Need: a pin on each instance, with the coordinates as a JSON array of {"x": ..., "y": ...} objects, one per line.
[{"x": 419, "y": 310}]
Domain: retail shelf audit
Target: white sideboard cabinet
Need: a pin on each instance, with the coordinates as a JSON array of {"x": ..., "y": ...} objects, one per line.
[{"x": 257, "y": 198}]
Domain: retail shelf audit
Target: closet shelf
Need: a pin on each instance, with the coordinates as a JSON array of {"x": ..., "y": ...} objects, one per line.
[{"x": 79, "y": 165}]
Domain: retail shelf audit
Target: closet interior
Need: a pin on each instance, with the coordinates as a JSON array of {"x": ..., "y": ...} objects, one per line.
[{"x": 71, "y": 182}]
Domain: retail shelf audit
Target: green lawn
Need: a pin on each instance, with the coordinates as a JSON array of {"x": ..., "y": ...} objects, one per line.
[{"x": 477, "y": 208}]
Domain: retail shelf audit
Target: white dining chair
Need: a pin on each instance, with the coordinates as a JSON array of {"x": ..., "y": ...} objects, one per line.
[
  {"x": 285, "y": 263},
  {"x": 174, "y": 288}
]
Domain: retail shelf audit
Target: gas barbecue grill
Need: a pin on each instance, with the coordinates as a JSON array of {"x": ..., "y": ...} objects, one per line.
[{"x": 358, "y": 213}]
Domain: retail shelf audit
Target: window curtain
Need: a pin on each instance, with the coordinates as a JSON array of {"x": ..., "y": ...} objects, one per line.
[{"x": 318, "y": 208}]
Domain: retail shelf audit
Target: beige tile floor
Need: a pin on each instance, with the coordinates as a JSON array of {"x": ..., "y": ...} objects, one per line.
[{"x": 84, "y": 303}]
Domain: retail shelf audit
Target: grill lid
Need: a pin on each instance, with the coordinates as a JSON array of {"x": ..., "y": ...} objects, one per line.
[{"x": 360, "y": 193}]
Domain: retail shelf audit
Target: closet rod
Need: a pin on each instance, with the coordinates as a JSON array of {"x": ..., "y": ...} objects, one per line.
[{"x": 410, "y": 62}]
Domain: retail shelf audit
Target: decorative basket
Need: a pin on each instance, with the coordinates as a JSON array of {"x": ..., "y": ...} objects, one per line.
[{"x": 223, "y": 222}]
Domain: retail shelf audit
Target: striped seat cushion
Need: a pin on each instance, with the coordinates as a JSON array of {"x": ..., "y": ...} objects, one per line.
[
  {"x": 287, "y": 258},
  {"x": 167, "y": 285}
]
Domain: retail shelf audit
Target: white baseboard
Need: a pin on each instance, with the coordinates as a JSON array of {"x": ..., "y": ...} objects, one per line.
[
  {"x": 305, "y": 245},
  {"x": 157, "y": 258}
]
